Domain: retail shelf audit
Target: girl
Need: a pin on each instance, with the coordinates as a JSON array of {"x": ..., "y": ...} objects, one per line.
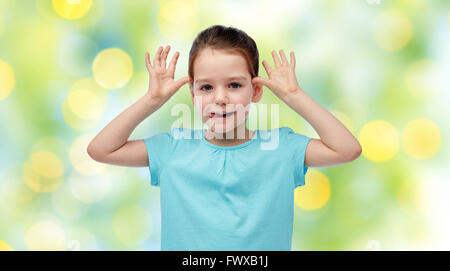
[{"x": 222, "y": 188}]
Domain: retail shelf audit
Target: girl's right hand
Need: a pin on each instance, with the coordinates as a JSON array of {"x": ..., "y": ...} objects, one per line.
[{"x": 162, "y": 85}]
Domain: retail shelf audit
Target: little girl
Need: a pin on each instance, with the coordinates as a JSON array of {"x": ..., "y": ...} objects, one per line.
[{"x": 222, "y": 188}]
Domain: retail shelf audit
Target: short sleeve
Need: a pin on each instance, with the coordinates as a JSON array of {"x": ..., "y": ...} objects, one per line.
[
  {"x": 159, "y": 147},
  {"x": 298, "y": 143}
]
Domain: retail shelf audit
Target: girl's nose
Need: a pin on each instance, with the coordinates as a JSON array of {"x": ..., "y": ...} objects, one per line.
[{"x": 221, "y": 96}]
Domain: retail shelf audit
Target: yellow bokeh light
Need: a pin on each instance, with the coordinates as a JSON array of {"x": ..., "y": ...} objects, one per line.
[
  {"x": 177, "y": 19},
  {"x": 44, "y": 172},
  {"x": 84, "y": 104},
  {"x": 72, "y": 9},
  {"x": 315, "y": 193},
  {"x": 379, "y": 140},
  {"x": 53, "y": 144},
  {"x": 112, "y": 68},
  {"x": 4, "y": 246},
  {"x": 6, "y": 79},
  {"x": 424, "y": 78},
  {"x": 81, "y": 160},
  {"x": 74, "y": 121},
  {"x": 45, "y": 235},
  {"x": 38, "y": 183},
  {"x": 132, "y": 224},
  {"x": 421, "y": 138},
  {"x": 47, "y": 164},
  {"x": 392, "y": 30}
]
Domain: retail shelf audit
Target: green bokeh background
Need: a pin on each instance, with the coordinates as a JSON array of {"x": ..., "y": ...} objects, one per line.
[{"x": 401, "y": 203}]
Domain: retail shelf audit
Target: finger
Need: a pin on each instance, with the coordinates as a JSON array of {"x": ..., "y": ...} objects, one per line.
[
  {"x": 260, "y": 80},
  {"x": 292, "y": 60},
  {"x": 276, "y": 59},
  {"x": 183, "y": 81},
  {"x": 173, "y": 63},
  {"x": 164, "y": 56},
  {"x": 267, "y": 67},
  {"x": 283, "y": 58},
  {"x": 147, "y": 61},
  {"x": 157, "y": 56}
]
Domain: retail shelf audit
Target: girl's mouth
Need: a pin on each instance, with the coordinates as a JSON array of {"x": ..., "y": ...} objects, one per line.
[{"x": 214, "y": 115}]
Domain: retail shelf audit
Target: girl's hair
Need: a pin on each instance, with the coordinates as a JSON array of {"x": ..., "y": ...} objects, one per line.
[{"x": 225, "y": 38}]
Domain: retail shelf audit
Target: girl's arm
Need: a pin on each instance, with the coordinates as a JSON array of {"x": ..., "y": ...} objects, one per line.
[
  {"x": 111, "y": 145},
  {"x": 336, "y": 145}
]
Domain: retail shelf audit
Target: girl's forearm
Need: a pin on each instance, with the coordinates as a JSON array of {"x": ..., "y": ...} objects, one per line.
[
  {"x": 117, "y": 132},
  {"x": 331, "y": 131}
]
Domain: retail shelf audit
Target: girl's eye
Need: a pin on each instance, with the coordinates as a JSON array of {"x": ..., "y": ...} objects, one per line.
[
  {"x": 201, "y": 88},
  {"x": 236, "y": 84}
]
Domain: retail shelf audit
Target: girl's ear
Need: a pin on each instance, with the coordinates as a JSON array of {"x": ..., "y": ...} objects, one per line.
[
  {"x": 257, "y": 92},
  {"x": 192, "y": 95}
]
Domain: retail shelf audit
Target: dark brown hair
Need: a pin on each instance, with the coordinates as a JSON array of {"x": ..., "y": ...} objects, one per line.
[{"x": 225, "y": 38}]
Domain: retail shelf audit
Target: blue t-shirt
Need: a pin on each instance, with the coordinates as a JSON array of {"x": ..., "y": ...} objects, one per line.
[{"x": 227, "y": 198}]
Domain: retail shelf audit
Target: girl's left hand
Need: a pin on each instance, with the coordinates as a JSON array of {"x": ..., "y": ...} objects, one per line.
[{"x": 282, "y": 80}]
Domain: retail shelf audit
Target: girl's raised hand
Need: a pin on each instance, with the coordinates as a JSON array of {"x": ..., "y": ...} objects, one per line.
[
  {"x": 282, "y": 80},
  {"x": 162, "y": 85}
]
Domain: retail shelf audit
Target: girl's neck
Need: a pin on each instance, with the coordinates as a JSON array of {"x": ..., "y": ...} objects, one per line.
[{"x": 232, "y": 140}]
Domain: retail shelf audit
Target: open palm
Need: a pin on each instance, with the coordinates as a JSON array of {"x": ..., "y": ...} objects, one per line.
[
  {"x": 162, "y": 84},
  {"x": 282, "y": 80}
]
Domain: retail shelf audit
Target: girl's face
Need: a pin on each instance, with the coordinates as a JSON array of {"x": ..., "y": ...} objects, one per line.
[{"x": 222, "y": 84}]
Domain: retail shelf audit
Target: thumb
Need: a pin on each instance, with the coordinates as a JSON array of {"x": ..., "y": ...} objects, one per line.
[{"x": 180, "y": 82}]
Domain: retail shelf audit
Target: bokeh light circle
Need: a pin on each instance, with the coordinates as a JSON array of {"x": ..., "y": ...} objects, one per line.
[
  {"x": 71, "y": 9},
  {"x": 421, "y": 138},
  {"x": 315, "y": 193},
  {"x": 392, "y": 30},
  {"x": 6, "y": 79},
  {"x": 379, "y": 140},
  {"x": 45, "y": 235},
  {"x": 177, "y": 19},
  {"x": 112, "y": 68},
  {"x": 43, "y": 172},
  {"x": 84, "y": 104},
  {"x": 47, "y": 164}
]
